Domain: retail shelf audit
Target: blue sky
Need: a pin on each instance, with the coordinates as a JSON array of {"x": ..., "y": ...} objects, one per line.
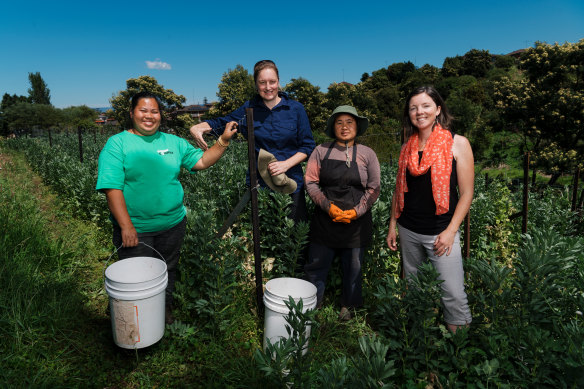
[{"x": 85, "y": 51}]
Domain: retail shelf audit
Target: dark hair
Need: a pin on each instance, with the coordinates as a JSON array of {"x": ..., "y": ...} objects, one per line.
[
  {"x": 144, "y": 95},
  {"x": 444, "y": 117},
  {"x": 136, "y": 99},
  {"x": 261, "y": 65}
]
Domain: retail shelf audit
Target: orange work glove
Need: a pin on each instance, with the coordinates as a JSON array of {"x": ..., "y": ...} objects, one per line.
[
  {"x": 335, "y": 211},
  {"x": 346, "y": 217}
]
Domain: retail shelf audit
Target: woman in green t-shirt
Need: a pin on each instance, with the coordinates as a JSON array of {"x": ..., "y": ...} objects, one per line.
[{"x": 138, "y": 172}]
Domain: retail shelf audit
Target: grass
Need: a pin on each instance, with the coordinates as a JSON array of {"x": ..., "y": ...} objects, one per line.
[{"x": 53, "y": 306}]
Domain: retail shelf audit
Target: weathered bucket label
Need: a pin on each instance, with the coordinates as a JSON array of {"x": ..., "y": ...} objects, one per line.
[{"x": 127, "y": 330}]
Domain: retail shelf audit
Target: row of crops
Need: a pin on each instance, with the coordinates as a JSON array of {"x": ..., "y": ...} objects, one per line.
[{"x": 526, "y": 292}]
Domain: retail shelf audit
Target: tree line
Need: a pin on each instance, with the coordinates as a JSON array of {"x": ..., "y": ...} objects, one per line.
[
  {"x": 506, "y": 105},
  {"x": 18, "y": 113},
  {"x": 528, "y": 101}
]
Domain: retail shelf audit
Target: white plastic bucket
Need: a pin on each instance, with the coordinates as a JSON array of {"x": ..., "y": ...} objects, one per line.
[
  {"x": 136, "y": 288},
  {"x": 276, "y": 292}
]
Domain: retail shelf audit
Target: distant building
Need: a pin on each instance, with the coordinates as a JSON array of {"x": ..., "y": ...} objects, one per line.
[
  {"x": 102, "y": 119},
  {"x": 195, "y": 111}
]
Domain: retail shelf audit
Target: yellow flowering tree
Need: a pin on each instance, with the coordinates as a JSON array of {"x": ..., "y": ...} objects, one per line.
[{"x": 546, "y": 103}]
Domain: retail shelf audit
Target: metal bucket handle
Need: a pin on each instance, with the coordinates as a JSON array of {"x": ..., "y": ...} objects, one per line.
[{"x": 116, "y": 250}]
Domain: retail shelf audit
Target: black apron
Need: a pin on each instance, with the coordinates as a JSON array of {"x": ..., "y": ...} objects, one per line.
[{"x": 342, "y": 186}]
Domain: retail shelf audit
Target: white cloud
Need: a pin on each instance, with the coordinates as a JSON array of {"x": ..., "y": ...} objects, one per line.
[{"x": 158, "y": 64}]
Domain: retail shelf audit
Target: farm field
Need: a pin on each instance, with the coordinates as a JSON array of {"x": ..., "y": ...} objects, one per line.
[{"x": 526, "y": 292}]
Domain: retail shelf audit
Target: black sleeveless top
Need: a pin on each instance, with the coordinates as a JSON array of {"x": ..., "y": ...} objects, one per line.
[{"x": 419, "y": 213}]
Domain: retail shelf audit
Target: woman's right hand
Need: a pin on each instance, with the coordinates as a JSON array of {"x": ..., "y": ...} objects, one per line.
[
  {"x": 392, "y": 238},
  {"x": 197, "y": 131},
  {"x": 129, "y": 237}
]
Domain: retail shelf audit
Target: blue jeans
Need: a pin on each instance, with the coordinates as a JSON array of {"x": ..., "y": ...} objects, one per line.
[
  {"x": 320, "y": 259},
  {"x": 167, "y": 243}
]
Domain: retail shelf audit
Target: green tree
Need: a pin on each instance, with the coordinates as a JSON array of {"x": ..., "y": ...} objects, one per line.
[
  {"x": 477, "y": 63},
  {"x": 313, "y": 100},
  {"x": 505, "y": 62},
  {"x": 170, "y": 100},
  {"x": 8, "y": 101},
  {"x": 432, "y": 73},
  {"x": 25, "y": 116},
  {"x": 398, "y": 72},
  {"x": 38, "y": 92},
  {"x": 450, "y": 84},
  {"x": 235, "y": 88},
  {"x": 356, "y": 95},
  {"x": 378, "y": 80},
  {"x": 389, "y": 102},
  {"x": 19, "y": 116},
  {"x": 339, "y": 94},
  {"x": 452, "y": 66},
  {"x": 417, "y": 78},
  {"x": 79, "y": 116},
  {"x": 547, "y": 105}
]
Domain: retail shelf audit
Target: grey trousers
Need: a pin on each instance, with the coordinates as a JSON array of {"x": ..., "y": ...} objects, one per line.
[
  {"x": 167, "y": 243},
  {"x": 417, "y": 249}
]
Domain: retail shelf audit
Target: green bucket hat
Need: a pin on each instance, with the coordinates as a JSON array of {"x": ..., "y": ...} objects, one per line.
[{"x": 362, "y": 121}]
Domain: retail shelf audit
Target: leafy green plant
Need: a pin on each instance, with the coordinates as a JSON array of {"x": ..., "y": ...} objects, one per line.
[
  {"x": 525, "y": 292},
  {"x": 289, "y": 359}
]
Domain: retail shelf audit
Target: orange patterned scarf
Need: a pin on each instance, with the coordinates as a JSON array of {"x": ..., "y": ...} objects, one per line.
[{"x": 438, "y": 156}]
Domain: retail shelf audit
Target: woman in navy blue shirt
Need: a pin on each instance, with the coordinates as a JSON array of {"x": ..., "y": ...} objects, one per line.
[{"x": 281, "y": 127}]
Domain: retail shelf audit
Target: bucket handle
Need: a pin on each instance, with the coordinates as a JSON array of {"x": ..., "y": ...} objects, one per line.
[{"x": 116, "y": 250}]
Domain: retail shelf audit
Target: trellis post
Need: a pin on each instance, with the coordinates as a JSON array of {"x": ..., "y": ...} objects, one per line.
[{"x": 253, "y": 182}]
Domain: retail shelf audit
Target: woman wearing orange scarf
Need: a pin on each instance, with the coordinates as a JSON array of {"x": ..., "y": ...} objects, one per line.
[{"x": 427, "y": 209}]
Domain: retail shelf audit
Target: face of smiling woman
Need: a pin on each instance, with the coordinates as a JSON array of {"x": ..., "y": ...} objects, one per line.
[
  {"x": 146, "y": 117},
  {"x": 423, "y": 111},
  {"x": 345, "y": 129},
  {"x": 267, "y": 84}
]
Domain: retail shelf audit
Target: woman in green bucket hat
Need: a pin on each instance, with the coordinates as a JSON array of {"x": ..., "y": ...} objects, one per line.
[{"x": 343, "y": 180}]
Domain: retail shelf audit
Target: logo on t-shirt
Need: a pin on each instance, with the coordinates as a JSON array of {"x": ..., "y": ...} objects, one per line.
[{"x": 164, "y": 152}]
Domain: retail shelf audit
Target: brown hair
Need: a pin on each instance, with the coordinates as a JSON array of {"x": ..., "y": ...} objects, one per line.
[
  {"x": 444, "y": 117},
  {"x": 261, "y": 65}
]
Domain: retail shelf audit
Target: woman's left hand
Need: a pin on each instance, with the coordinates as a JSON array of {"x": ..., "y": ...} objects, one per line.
[
  {"x": 278, "y": 167},
  {"x": 443, "y": 243}
]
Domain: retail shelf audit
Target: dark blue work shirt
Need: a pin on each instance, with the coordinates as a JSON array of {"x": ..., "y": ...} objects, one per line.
[{"x": 283, "y": 131}]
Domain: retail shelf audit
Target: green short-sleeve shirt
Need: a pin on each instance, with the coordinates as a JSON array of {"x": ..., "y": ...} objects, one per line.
[{"x": 146, "y": 169}]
